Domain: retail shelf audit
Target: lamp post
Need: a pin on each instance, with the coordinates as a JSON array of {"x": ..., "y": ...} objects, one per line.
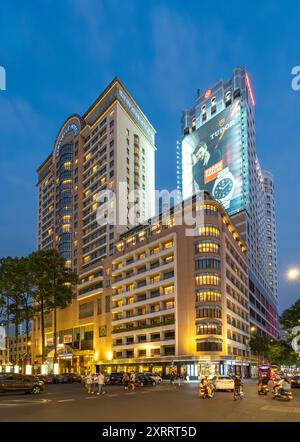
[{"x": 293, "y": 274}]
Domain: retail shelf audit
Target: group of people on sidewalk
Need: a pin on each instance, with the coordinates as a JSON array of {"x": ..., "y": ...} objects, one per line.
[
  {"x": 94, "y": 383},
  {"x": 129, "y": 380}
]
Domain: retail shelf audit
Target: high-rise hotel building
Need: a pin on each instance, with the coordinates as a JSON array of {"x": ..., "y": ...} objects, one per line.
[
  {"x": 112, "y": 143},
  {"x": 109, "y": 148},
  {"x": 218, "y": 153}
]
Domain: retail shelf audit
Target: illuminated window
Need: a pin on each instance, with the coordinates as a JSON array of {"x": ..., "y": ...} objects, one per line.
[
  {"x": 208, "y": 295},
  {"x": 207, "y": 279},
  {"x": 67, "y": 165},
  {"x": 155, "y": 250},
  {"x": 207, "y": 247},
  {"x": 168, "y": 244},
  {"x": 142, "y": 256},
  {"x": 86, "y": 259},
  {"x": 168, "y": 290},
  {"x": 209, "y": 329},
  {"x": 209, "y": 231},
  {"x": 154, "y": 279}
]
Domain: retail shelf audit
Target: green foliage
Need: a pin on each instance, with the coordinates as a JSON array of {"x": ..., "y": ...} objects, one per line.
[
  {"x": 37, "y": 284},
  {"x": 291, "y": 316}
]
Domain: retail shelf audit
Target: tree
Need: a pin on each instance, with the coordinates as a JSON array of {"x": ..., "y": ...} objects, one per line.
[
  {"x": 291, "y": 317},
  {"x": 26, "y": 307},
  {"x": 5, "y": 291},
  {"x": 11, "y": 291},
  {"x": 53, "y": 287},
  {"x": 260, "y": 346},
  {"x": 281, "y": 353}
]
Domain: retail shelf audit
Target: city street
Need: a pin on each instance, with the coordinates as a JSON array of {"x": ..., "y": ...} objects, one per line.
[{"x": 164, "y": 403}]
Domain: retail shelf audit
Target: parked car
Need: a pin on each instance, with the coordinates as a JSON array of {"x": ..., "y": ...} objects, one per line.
[
  {"x": 295, "y": 381},
  {"x": 48, "y": 378},
  {"x": 69, "y": 378},
  {"x": 224, "y": 383},
  {"x": 154, "y": 377},
  {"x": 144, "y": 379},
  {"x": 116, "y": 378},
  {"x": 12, "y": 382}
]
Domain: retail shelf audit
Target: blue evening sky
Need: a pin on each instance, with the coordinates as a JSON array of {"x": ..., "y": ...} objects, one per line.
[{"x": 59, "y": 55}]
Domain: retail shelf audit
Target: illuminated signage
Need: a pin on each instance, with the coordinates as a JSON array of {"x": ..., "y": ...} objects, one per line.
[
  {"x": 70, "y": 127},
  {"x": 136, "y": 114},
  {"x": 250, "y": 90},
  {"x": 212, "y": 159},
  {"x": 207, "y": 94}
]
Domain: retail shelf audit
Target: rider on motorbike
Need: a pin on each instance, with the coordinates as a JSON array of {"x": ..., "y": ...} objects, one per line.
[
  {"x": 282, "y": 386},
  {"x": 262, "y": 382},
  {"x": 237, "y": 384},
  {"x": 206, "y": 383}
]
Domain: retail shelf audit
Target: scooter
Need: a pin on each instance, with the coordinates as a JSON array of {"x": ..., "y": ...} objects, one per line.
[
  {"x": 203, "y": 392},
  {"x": 263, "y": 390},
  {"x": 282, "y": 395}
]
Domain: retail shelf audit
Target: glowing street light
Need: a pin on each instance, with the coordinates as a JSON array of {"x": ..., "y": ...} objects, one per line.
[{"x": 293, "y": 274}]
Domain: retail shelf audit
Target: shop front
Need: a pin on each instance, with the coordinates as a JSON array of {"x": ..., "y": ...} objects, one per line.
[{"x": 71, "y": 360}]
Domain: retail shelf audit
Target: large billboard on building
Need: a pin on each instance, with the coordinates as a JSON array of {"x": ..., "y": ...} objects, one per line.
[{"x": 212, "y": 159}]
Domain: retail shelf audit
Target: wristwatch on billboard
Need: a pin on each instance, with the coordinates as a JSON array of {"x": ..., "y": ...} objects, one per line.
[{"x": 224, "y": 187}]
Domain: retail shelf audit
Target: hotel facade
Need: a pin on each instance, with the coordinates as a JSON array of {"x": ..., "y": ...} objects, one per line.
[{"x": 150, "y": 297}]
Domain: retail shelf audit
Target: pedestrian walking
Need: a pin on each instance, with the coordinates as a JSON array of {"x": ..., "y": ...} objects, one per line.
[
  {"x": 89, "y": 383},
  {"x": 126, "y": 380},
  {"x": 172, "y": 378},
  {"x": 179, "y": 380},
  {"x": 132, "y": 380},
  {"x": 101, "y": 382},
  {"x": 95, "y": 383}
]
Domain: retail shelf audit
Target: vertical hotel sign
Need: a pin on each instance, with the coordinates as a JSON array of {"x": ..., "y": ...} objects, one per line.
[
  {"x": 137, "y": 115},
  {"x": 2, "y": 338}
]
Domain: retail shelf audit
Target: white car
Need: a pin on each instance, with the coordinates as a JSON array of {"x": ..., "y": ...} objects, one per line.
[
  {"x": 224, "y": 383},
  {"x": 156, "y": 378}
]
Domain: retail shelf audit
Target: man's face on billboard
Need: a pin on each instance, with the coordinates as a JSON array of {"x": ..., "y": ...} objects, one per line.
[{"x": 202, "y": 154}]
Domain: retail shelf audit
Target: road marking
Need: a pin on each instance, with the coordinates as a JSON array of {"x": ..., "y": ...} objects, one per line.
[
  {"x": 91, "y": 397},
  {"x": 112, "y": 395},
  {"x": 22, "y": 402},
  {"x": 66, "y": 400},
  {"x": 281, "y": 409}
]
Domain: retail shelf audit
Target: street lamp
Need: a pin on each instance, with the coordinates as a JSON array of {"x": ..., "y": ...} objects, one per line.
[{"x": 293, "y": 274}]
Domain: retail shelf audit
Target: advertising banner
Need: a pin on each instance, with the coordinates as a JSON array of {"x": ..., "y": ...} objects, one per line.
[{"x": 212, "y": 159}]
